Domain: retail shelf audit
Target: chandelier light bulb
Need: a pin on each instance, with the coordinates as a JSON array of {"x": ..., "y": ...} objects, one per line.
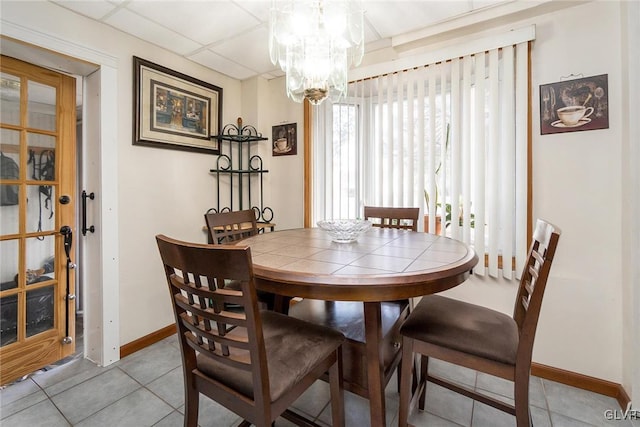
[{"x": 315, "y": 42}]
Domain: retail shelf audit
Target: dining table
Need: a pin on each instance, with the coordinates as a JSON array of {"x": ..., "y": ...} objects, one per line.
[{"x": 381, "y": 266}]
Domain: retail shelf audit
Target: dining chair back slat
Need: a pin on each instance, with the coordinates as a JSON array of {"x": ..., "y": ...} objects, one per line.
[
  {"x": 232, "y": 226},
  {"x": 385, "y": 217},
  {"x": 534, "y": 278}
]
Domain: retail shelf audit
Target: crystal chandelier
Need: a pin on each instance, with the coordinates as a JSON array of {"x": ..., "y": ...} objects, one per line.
[{"x": 315, "y": 42}]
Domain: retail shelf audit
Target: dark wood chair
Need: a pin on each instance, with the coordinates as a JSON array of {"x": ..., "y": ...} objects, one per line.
[
  {"x": 254, "y": 363},
  {"x": 230, "y": 227},
  {"x": 404, "y": 218},
  {"x": 480, "y": 338}
]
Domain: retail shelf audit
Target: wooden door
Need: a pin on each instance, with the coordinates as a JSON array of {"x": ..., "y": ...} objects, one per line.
[{"x": 37, "y": 217}]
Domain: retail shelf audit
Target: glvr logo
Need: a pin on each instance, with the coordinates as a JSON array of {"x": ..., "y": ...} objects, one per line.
[{"x": 627, "y": 414}]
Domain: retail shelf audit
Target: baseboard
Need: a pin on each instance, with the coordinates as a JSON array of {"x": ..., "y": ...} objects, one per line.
[
  {"x": 585, "y": 382},
  {"x": 147, "y": 340}
]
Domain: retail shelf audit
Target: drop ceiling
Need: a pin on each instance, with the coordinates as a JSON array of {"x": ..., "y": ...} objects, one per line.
[{"x": 231, "y": 36}]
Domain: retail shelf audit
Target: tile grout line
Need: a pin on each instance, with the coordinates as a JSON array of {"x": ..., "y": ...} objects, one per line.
[
  {"x": 473, "y": 402},
  {"x": 546, "y": 401}
]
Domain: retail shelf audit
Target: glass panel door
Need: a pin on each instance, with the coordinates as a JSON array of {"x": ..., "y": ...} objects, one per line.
[{"x": 37, "y": 201}]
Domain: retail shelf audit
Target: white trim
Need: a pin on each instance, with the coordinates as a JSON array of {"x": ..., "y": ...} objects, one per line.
[
  {"x": 57, "y": 45},
  {"x": 455, "y": 50},
  {"x": 483, "y": 15},
  {"x": 104, "y": 336},
  {"x": 109, "y": 215},
  {"x": 633, "y": 305}
]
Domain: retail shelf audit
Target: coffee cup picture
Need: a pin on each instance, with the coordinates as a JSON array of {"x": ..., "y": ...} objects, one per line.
[
  {"x": 284, "y": 140},
  {"x": 571, "y": 116},
  {"x": 574, "y": 104},
  {"x": 280, "y": 144}
]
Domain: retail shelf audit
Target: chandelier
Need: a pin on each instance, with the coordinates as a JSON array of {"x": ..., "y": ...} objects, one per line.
[{"x": 315, "y": 42}]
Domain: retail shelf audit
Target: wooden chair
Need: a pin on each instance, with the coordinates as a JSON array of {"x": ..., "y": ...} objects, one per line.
[
  {"x": 254, "y": 363},
  {"x": 479, "y": 338},
  {"x": 229, "y": 227},
  {"x": 404, "y": 218}
]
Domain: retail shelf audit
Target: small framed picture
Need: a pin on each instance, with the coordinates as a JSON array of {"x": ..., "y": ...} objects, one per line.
[
  {"x": 574, "y": 105},
  {"x": 173, "y": 110},
  {"x": 284, "y": 140}
]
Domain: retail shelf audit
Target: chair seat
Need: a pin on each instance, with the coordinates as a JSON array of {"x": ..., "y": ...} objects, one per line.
[
  {"x": 293, "y": 349},
  {"x": 463, "y": 327}
]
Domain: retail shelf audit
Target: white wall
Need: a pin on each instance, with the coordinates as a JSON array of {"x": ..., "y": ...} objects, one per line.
[
  {"x": 286, "y": 172},
  {"x": 574, "y": 176},
  {"x": 576, "y": 184},
  {"x": 631, "y": 201},
  {"x": 159, "y": 191},
  {"x": 266, "y": 105}
]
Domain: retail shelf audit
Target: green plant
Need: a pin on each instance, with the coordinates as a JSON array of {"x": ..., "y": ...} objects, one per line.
[
  {"x": 447, "y": 211},
  {"x": 426, "y": 193},
  {"x": 447, "y": 206}
]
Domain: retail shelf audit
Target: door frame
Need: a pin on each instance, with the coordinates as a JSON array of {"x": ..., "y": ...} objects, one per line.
[{"x": 99, "y": 71}]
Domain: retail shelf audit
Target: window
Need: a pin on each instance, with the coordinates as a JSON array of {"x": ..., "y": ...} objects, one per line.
[{"x": 450, "y": 138}]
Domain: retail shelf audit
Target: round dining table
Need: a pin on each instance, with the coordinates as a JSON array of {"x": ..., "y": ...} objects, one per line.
[{"x": 382, "y": 265}]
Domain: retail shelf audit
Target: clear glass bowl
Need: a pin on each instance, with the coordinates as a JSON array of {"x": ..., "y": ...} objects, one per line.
[{"x": 345, "y": 230}]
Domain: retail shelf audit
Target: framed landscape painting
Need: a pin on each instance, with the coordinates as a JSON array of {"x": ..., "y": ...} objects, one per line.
[{"x": 173, "y": 110}]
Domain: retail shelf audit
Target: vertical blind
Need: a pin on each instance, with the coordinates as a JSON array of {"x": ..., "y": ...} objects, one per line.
[{"x": 449, "y": 137}]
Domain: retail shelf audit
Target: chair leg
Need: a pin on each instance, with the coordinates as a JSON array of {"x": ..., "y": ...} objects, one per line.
[
  {"x": 521, "y": 397},
  {"x": 191, "y": 404},
  {"x": 337, "y": 391},
  {"x": 405, "y": 381},
  {"x": 424, "y": 372}
]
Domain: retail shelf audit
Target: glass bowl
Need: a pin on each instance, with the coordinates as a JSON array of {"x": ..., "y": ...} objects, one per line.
[{"x": 345, "y": 230}]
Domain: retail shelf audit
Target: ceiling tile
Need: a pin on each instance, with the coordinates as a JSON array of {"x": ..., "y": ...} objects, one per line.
[
  {"x": 398, "y": 17},
  {"x": 479, "y": 4},
  {"x": 138, "y": 26},
  {"x": 231, "y": 36},
  {"x": 258, "y": 8},
  {"x": 203, "y": 22},
  {"x": 250, "y": 49},
  {"x": 93, "y": 9},
  {"x": 222, "y": 65}
]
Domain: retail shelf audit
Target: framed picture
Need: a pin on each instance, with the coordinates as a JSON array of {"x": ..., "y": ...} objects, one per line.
[
  {"x": 175, "y": 111},
  {"x": 285, "y": 140},
  {"x": 574, "y": 105}
]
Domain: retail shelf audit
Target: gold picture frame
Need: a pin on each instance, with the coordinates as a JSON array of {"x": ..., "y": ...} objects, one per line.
[{"x": 175, "y": 111}]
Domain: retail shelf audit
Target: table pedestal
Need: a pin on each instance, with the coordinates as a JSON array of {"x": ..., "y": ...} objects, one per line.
[{"x": 371, "y": 353}]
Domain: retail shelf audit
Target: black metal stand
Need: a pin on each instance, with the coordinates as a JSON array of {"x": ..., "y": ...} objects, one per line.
[{"x": 241, "y": 168}]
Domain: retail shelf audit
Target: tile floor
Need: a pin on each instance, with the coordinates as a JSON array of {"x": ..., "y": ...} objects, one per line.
[{"x": 145, "y": 389}]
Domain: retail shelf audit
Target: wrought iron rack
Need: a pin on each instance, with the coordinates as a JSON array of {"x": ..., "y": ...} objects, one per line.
[{"x": 233, "y": 164}]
